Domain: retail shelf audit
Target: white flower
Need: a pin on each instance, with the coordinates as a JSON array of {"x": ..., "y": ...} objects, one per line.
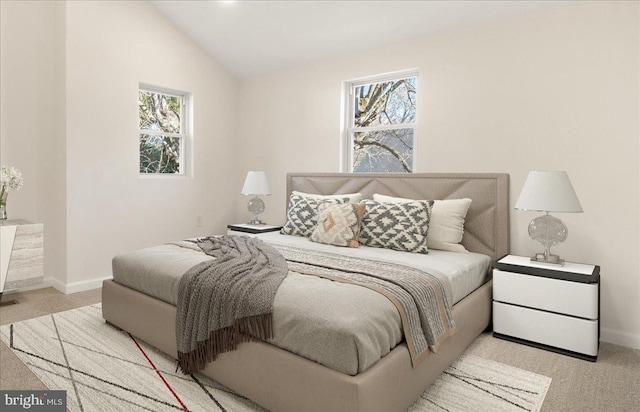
[{"x": 10, "y": 178}]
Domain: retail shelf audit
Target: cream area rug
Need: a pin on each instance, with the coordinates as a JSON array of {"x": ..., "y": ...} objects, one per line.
[{"x": 103, "y": 368}]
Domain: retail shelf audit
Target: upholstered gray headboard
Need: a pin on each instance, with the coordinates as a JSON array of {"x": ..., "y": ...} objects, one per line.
[{"x": 487, "y": 222}]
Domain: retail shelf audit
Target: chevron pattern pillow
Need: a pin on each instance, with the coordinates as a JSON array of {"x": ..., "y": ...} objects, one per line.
[
  {"x": 302, "y": 214},
  {"x": 400, "y": 226},
  {"x": 338, "y": 224}
]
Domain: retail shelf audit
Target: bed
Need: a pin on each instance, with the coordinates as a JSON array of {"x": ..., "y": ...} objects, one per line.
[{"x": 283, "y": 381}]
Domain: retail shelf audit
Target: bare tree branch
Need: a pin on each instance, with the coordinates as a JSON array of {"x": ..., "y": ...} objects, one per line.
[{"x": 392, "y": 151}]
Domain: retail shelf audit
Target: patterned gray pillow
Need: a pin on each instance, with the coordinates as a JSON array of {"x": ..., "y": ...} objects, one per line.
[
  {"x": 400, "y": 226},
  {"x": 302, "y": 214}
]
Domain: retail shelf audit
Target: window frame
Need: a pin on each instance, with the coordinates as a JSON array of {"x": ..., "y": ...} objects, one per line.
[
  {"x": 348, "y": 128},
  {"x": 184, "y": 137}
]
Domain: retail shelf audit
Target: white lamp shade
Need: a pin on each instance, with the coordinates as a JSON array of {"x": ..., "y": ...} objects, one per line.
[
  {"x": 548, "y": 192},
  {"x": 256, "y": 184}
]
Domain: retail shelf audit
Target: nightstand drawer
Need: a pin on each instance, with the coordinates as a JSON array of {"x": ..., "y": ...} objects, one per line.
[
  {"x": 565, "y": 332},
  {"x": 553, "y": 295}
]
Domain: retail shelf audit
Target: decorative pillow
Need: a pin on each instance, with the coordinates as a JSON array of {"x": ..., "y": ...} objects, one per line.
[
  {"x": 302, "y": 214},
  {"x": 398, "y": 226},
  {"x": 338, "y": 224},
  {"x": 446, "y": 226}
]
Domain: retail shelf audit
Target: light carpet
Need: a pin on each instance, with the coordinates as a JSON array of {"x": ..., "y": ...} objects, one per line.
[{"x": 103, "y": 368}]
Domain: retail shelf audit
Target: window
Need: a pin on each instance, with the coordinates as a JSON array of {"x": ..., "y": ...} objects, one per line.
[
  {"x": 381, "y": 121},
  {"x": 163, "y": 131}
]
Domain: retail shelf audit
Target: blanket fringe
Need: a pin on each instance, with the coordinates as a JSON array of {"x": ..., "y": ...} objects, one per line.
[{"x": 259, "y": 327}]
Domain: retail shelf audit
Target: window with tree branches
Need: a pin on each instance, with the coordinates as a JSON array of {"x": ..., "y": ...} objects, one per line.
[
  {"x": 163, "y": 130},
  {"x": 381, "y": 123}
]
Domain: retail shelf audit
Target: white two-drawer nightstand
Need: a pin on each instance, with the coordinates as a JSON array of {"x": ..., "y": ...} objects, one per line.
[
  {"x": 553, "y": 308},
  {"x": 246, "y": 229}
]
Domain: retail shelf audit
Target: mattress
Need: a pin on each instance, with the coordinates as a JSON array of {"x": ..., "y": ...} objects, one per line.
[{"x": 345, "y": 327}]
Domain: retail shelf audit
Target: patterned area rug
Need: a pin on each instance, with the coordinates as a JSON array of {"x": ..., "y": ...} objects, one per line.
[{"x": 105, "y": 369}]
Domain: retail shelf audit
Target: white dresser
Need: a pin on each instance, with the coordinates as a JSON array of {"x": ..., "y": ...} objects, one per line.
[
  {"x": 21, "y": 254},
  {"x": 551, "y": 307}
]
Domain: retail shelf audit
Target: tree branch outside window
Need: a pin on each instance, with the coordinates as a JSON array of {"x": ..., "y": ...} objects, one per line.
[
  {"x": 162, "y": 131},
  {"x": 381, "y": 125}
]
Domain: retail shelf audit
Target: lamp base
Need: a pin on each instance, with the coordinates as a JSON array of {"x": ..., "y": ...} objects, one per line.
[
  {"x": 548, "y": 231},
  {"x": 551, "y": 259},
  {"x": 256, "y": 222}
]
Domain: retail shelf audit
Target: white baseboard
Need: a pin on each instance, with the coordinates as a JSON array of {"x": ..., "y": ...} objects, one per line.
[
  {"x": 55, "y": 283},
  {"x": 80, "y": 286},
  {"x": 618, "y": 337}
]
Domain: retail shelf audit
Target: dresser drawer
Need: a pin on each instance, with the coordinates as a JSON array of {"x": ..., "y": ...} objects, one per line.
[
  {"x": 553, "y": 295},
  {"x": 574, "y": 334}
]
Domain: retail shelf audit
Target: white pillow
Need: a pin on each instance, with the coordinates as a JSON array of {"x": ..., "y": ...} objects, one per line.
[
  {"x": 353, "y": 197},
  {"x": 446, "y": 226}
]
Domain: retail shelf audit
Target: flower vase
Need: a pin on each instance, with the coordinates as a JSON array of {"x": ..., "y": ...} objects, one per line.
[{"x": 3, "y": 205}]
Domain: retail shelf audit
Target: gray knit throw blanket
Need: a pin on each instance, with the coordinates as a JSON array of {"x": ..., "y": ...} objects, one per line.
[{"x": 228, "y": 300}]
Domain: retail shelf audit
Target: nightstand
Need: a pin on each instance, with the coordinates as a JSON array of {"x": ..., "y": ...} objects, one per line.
[
  {"x": 246, "y": 229},
  {"x": 550, "y": 307}
]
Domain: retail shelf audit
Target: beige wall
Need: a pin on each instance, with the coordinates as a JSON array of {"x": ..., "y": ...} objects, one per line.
[
  {"x": 31, "y": 118},
  {"x": 70, "y": 75},
  {"x": 556, "y": 89},
  {"x": 111, "y": 47}
]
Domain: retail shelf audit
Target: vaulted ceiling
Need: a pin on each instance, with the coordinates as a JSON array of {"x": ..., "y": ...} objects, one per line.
[{"x": 254, "y": 37}]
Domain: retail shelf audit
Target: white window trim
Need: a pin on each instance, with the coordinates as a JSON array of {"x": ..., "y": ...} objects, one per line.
[
  {"x": 346, "y": 146},
  {"x": 186, "y": 158}
]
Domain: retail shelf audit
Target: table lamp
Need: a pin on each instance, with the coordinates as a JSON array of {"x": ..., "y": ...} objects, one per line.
[
  {"x": 255, "y": 184},
  {"x": 548, "y": 192}
]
